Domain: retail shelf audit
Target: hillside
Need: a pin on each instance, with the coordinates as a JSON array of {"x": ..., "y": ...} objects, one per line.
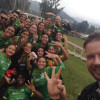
[{"x": 34, "y": 8}]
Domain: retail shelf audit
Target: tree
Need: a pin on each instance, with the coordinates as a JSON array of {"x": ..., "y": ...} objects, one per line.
[
  {"x": 15, "y": 4},
  {"x": 50, "y": 6}
]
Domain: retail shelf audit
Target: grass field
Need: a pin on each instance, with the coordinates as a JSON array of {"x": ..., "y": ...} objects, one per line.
[
  {"x": 77, "y": 41},
  {"x": 76, "y": 77}
]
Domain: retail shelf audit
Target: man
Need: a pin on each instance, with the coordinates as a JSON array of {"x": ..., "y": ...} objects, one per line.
[
  {"x": 62, "y": 25},
  {"x": 92, "y": 50},
  {"x": 13, "y": 17},
  {"x": 3, "y": 19}
]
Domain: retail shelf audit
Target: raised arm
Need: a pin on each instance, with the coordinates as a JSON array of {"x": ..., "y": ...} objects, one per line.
[
  {"x": 65, "y": 54},
  {"x": 60, "y": 63},
  {"x": 32, "y": 88}
]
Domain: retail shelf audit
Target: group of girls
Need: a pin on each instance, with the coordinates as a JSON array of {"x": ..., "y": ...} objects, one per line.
[{"x": 25, "y": 56}]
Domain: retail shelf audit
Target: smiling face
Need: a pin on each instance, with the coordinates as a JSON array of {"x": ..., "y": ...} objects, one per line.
[
  {"x": 41, "y": 63},
  {"x": 14, "y": 16},
  {"x": 20, "y": 80},
  {"x": 23, "y": 17},
  {"x": 59, "y": 36},
  {"x": 33, "y": 29},
  {"x": 28, "y": 48},
  {"x": 40, "y": 52},
  {"x": 25, "y": 34},
  {"x": 57, "y": 20},
  {"x": 92, "y": 51},
  {"x": 27, "y": 23},
  {"x": 41, "y": 27},
  {"x": 10, "y": 31},
  {"x": 10, "y": 50},
  {"x": 51, "y": 49},
  {"x": 3, "y": 18},
  {"x": 44, "y": 39},
  {"x": 48, "y": 22}
]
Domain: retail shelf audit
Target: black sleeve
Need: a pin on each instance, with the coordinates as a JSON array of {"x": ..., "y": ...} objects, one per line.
[
  {"x": 88, "y": 93},
  {"x": 67, "y": 26}
]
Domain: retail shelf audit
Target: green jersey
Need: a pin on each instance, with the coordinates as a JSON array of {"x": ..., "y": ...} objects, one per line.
[
  {"x": 22, "y": 93},
  {"x": 16, "y": 23},
  {"x": 4, "y": 64},
  {"x": 40, "y": 82}
]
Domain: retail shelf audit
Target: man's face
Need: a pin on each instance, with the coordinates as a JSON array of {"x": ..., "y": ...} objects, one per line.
[
  {"x": 14, "y": 16},
  {"x": 3, "y": 18},
  {"x": 58, "y": 20},
  {"x": 92, "y": 51}
]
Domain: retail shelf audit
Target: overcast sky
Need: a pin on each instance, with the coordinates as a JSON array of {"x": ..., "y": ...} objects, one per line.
[{"x": 87, "y": 9}]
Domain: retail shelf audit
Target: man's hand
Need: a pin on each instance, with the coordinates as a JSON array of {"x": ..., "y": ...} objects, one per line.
[{"x": 54, "y": 84}]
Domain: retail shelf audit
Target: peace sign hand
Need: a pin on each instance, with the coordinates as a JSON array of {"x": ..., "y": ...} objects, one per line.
[{"x": 30, "y": 86}]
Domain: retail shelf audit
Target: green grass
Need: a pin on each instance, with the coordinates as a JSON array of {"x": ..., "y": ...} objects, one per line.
[
  {"x": 75, "y": 40},
  {"x": 77, "y": 51},
  {"x": 76, "y": 77}
]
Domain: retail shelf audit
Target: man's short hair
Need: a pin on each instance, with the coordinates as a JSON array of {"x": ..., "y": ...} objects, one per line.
[
  {"x": 2, "y": 11},
  {"x": 92, "y": 37},
  {"x": 15, "y": 11}
]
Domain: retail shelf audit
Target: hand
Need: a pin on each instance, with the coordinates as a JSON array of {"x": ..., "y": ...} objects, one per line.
[
  {"x": 63, "y": 93},
  {"x": 2, "y": 50},
  {"x": 35, "y": 37},
  {"x": 54, "y": 89},
  {"x": 50, "y": 55},
  {"x": 58, "y": 44},
  {"x": 65, "y": 20},
  {"x": 23, "y": 40},
  {"x": 21, "y": 25},
  {"x": 8, "y": 80},
  {"x": 32, "y": 56},
  {"x": 30, "y": 86},
  {"x": 49, "y": 13}
]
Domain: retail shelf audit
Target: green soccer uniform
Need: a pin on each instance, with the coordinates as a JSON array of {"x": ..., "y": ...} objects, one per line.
[
  {"x": 5, "y": 42},
  {"x": 16, "y": 23},
  {"x": 18, "y": 40},
  {"x": 4, "y": 64},
  {"x": 40, "y": 82},
  {"x": 22, "y": 93},
  {"x": 39, "y": 36}
]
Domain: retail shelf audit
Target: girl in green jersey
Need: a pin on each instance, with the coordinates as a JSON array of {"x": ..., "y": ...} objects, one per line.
[
  {"x": 38, "y": 77},
  {"x": 20, "y": 90}
]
